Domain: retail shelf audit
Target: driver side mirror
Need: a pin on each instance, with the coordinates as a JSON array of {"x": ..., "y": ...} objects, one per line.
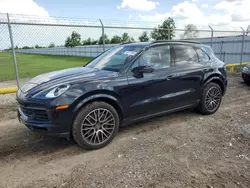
[{"x": 138, "y": 71}]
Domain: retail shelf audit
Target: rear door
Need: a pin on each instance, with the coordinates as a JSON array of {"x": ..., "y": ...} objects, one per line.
[{"x": 190, "y": 71}]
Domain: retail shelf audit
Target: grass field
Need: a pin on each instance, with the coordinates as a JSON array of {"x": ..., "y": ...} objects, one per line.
[{"x": 30, "y": 65}]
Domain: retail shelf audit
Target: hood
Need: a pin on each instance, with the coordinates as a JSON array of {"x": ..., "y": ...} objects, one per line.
[
  {"x": 61, "y": 73},
  {"x": 63, "y": 76}
]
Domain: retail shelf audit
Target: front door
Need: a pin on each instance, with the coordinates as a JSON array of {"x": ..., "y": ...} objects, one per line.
[{"x": 153, "y": 92}]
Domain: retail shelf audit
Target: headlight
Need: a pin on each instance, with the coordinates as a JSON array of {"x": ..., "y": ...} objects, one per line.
[
  {"x": 56, "y": 92},
  {"x": 246, "y": 70}
]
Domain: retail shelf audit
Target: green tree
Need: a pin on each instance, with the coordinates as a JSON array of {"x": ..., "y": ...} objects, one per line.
[
  {"x": 190, "y": 32},
  {"x": 68, "y": 42},
  {"x": 131, "y": 39},
  {"x": 144, "y": 37},
  {"x": 125, "y": 37},
  {"x": 73, "y": 40},
  {"x": 87, "y": 42},
  {"x": 7, "y": 49},
  {"x": 165, "y": 31},
  {"x": 37, "y": 46},
  {"x": 94, "y": 42},
  {"x": 115, "y": 39},
  {"x": 52, "y": 45},
  {"x": 106, "y": 39}
]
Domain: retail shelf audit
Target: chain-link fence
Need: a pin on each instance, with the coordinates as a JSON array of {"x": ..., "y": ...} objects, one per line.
[{"x": 41, "y": 44}]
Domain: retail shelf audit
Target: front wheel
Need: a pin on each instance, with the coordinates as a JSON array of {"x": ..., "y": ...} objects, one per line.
[
  {"x": 95, "y": 125},
  {"x": 210, "y": 99}
]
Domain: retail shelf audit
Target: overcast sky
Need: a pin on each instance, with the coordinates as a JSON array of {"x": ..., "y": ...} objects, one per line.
[
  {"x": 220, "y": 14},
  {"x": 232, "y": 13}
]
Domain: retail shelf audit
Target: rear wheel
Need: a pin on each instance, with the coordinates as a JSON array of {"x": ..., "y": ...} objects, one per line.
[
  {"x": 246, "y": 81},
  {"x": 95, "y": 125},
  {"x": 210, "y": 99}
]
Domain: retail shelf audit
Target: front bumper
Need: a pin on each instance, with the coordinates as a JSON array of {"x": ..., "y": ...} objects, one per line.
[{"x": 48, "y": 121}]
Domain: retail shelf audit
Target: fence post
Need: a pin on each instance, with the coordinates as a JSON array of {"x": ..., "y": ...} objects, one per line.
[
  {"x": 221, "y": 49},
  {"x": 13, "y": 51},
  {"x": 169, "y": 37},
  {"x": 242, "y": 47},
  {"x": 212, "y": 35},
  {"x": 103, "y": 35}
]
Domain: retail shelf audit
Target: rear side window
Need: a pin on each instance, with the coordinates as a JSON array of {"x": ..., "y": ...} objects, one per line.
[
  {"x": 203, "y": 57},
  {"x": 185, "y": 55}
]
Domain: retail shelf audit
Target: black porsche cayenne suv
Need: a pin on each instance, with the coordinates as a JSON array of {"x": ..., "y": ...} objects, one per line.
[{"x": 125, "y": 84}]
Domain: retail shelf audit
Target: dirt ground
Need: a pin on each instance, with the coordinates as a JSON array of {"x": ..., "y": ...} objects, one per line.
[{"x": 184, "y": 149}]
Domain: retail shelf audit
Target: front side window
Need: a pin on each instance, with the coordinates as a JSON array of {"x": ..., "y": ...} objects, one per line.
[
  {"x": 185, "y": 55},
  {"x": 115, "y": 58},
  {"x": 157, "y": 57}
]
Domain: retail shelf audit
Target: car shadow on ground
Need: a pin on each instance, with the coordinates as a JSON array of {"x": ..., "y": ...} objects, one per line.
[
  {"x": 41, "y": 146},
  {"x": 37, "y": 144},
  {"x": 245, "y": 83},
  {"x": 156, "y": 122}
]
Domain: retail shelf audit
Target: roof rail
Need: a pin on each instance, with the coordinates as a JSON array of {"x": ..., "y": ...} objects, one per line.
[
  {"x": 184, "y": 41},
  {"x": 126, "y": 43}
]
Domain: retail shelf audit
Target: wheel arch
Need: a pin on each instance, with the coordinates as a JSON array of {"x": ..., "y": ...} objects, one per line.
[
  {"x": 218, "y": 79},
  {"x": 102, "y": 96}
]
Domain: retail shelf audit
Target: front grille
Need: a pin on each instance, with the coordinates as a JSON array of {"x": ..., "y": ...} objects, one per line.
[{"x": 38, "y": 114}]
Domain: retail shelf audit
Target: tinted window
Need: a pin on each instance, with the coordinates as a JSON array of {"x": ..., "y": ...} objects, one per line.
[
  {"x": 115, "y": 58},
  {"x": 185, "y": 55},
  {"x": 208, "y": 49},
  {"x": 157, "y": 57},
  {"x": 203, "y": 57}
]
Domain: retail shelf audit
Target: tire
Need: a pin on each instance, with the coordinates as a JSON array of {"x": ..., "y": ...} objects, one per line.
[
  {"x": 210, "y": 103},
  {"x": 246, "y": 81},
  {"x": 90, "y": 129}
]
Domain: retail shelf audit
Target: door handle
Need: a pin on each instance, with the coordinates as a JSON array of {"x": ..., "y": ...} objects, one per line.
[
  {"x": 207, "y": 70},
  {"x": 169, "y": 77}
]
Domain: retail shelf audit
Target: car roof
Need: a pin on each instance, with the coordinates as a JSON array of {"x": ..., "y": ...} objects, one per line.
[
  {"x": 144, "y": 44},
  {"x": 139, "y": 44},
  {"x": 176, "y": 41}
]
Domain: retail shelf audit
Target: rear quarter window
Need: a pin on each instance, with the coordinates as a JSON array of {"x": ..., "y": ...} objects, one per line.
[
  {"x": 185, "y": 55},
  {"x": 208, "y": 50},
  {"x": 202, "y": 55}
]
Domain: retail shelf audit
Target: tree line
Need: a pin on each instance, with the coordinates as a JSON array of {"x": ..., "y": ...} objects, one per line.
[
  {"x": 75, "y": 40},
  {"x": 164, "y": 31},
  {"x": 51, "y": 45}
]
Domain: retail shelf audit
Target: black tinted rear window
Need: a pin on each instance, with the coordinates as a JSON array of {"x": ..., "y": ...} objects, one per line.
[
  {"x": 185, "y": 54},
  {"x": 202, "y": 55}
]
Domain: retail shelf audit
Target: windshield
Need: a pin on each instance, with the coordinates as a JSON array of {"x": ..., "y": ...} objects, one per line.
[{"x": 115, "y": 58}]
